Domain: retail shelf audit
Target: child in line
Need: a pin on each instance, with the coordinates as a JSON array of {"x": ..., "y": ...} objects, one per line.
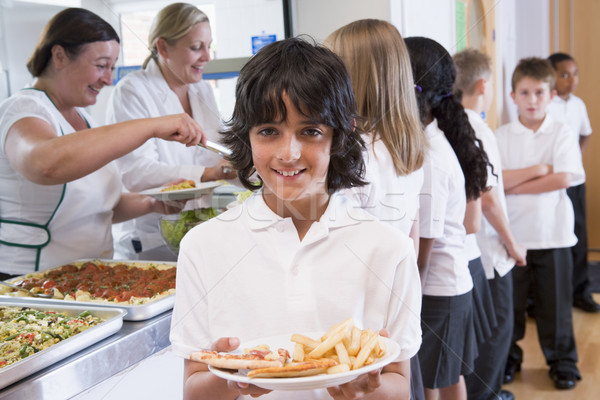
[
  {"x": 539, "y": 160},
  {"x": 499, "y": 249},
  {"x": 455, "y": 170},
  {"x": 303, "y": 254},
  {"x": 570, "y": 110},
  {"x": 379, "y": 66}
]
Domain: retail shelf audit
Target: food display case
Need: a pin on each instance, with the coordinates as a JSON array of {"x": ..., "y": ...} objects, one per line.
[
  {"x": 112, "y": 320},
  {"x": 132, "y": 343},
  {"x": 134, "y": 312}
]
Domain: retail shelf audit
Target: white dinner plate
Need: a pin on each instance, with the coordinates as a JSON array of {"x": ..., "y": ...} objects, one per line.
[
  {"x": 201, "y": 189},
  {"x": 306, "y": 382}
]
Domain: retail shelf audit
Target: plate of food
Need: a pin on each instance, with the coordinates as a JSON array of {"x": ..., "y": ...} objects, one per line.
[
  {"x": 183, "y": 191},
  {"x": 304, "y": 361}
]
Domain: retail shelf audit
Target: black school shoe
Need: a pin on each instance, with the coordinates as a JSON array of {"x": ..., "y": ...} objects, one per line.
[
  {"x": 586, "y": 303},
  {"x": 510, "y": 370},
  {"x": 564, "y": 379}
]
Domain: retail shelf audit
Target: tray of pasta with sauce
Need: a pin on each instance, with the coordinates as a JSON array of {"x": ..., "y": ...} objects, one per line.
[
  {"x": 35, "y": 336},
  {"x": 143, "y": 288}
]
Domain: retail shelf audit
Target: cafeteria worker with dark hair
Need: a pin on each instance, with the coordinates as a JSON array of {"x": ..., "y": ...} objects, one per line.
[{"x": 59, "y": 188}]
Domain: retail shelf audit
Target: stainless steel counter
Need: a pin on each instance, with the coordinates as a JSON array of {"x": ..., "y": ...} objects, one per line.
[{"x": 79, "y": 372}]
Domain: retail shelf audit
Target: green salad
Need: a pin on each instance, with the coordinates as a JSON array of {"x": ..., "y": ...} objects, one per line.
[{"x": 174, "y": 230}]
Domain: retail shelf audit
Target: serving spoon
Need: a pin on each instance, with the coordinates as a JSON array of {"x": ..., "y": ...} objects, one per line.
[{"x": 42, "y": 295}]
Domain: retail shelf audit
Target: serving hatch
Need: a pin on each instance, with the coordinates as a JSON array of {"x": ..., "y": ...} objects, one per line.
[
  {"x": 137, "y": 308},
  {"x": 113, "y": 320}
]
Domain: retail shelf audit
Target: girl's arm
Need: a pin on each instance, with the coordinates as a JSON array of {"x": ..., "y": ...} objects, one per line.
[
  {"x": 515, "y": 177},
  {"x": 472, "y": 221},
  {"x": 414, "y": 233},
  {"x": 35, "y": 151},
  {"x": 425, "y": 246},
  {"x": 546, "y": 183},
  {"x": 492, "y": 210}
]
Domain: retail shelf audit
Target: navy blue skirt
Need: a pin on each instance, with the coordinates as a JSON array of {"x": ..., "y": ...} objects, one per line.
[{"x": 449, "y": 345}]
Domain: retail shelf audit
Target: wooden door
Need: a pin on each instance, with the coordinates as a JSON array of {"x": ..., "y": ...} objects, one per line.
[{"x": 575, "y": 30}]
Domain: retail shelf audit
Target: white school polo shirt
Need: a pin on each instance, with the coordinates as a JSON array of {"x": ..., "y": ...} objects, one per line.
[
  {"x": 493, "y": 252},
  {"x": 545, "y": 220},
  {"x": 393, "y": 199},
  {"x": 247, "y": 274},
  {"x": 573, "y": 113},
  {"x": 441, "y": 215},
  {"x": 146, "y": 94}
]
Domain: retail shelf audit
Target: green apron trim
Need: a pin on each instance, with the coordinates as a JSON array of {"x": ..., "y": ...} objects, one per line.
[{"x": 39, "y": 247}]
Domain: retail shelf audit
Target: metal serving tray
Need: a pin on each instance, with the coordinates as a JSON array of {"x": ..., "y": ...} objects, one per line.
[
  {"x": 135, "y": 312},
  {"x": 113, "y": 320}
]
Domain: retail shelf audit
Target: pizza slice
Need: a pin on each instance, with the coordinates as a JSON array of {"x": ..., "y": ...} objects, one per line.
[
  {"x": 294, "y": 369},
  {"x": 260, "y": 357}
]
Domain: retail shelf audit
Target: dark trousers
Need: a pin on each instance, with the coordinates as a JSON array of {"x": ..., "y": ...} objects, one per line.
[
  {"x": 550, "y": 271},
  {"x": 488, "y": 373},
  {"x": 581, "y": 280}
]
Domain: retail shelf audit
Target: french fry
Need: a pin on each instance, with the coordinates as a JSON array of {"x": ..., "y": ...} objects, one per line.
[
  {"x": 354, "y": 346},
  {"x": 342, "y": 353},
  {"x": 379, "y": 350},
  {"x": 365, "y": 351},
  {"x": 298, "y": 352},
  {"x": 347, "y": 322},
  {"x": 336, "y": 369},
  {"x": 305, "y": 340},
  {"x": 333, "y": 338}
]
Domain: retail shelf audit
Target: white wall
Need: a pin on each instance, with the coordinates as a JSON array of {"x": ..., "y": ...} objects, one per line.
[{"x": 318, "y": 18}]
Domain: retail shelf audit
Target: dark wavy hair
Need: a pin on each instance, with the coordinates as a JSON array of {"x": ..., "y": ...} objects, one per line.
[
  {"x": 72, "y": 29},
  {"x": 556, "y": 58},
  {"x": 434, "y": 73},
  {"x": 318, "y": 85}
]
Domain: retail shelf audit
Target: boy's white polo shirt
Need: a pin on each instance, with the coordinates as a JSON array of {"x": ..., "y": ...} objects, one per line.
[
  {"x": 245, "y": 273},
  {"x": 545, "y": 220},
  {"x": 493, "y": 251},
  {"x": 441, "y": 214},
  {"x": 573, "y": 113}
]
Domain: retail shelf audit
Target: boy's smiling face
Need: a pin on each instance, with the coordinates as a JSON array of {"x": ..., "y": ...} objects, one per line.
[
  {"x": 567, "y": 78},
  {"x": 291, "y": 157},
  {"x": 532, "y": 96}
]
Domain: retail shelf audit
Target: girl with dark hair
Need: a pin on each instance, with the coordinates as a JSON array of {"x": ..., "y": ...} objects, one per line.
[
  {"x": 59, "y": 190},
  {"x": 455, "y": 171},
  {"x": 297, "y": 235}
]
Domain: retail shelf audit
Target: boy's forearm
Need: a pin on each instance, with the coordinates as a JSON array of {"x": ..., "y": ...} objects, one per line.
[
  {"x": 544, "y": 184},
  {"x": 516, "y": 177},
  {"x": 395, "y": 383},
  {"x": 200, "y": 384}
]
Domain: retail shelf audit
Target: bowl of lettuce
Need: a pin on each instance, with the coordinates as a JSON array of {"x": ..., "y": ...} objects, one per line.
[{"x": 174, "y": 227}]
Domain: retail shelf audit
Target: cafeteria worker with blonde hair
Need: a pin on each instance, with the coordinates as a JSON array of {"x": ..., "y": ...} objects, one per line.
[{"x": 170, "y": 81}]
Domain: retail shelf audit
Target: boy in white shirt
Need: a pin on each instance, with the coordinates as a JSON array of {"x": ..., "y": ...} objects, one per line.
[
  {"x": 499, "y": 249},
  {"x": 570, "y": 110},
  {"x": 298, "y": 254},
  {"x": 539, "y": 161}
]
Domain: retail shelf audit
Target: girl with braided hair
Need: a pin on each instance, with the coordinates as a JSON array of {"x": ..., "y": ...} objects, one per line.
[{"x": 455, "y": 175}]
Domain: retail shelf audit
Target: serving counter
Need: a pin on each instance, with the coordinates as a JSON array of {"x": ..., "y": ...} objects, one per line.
[{"x": 135, "y": 341}]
